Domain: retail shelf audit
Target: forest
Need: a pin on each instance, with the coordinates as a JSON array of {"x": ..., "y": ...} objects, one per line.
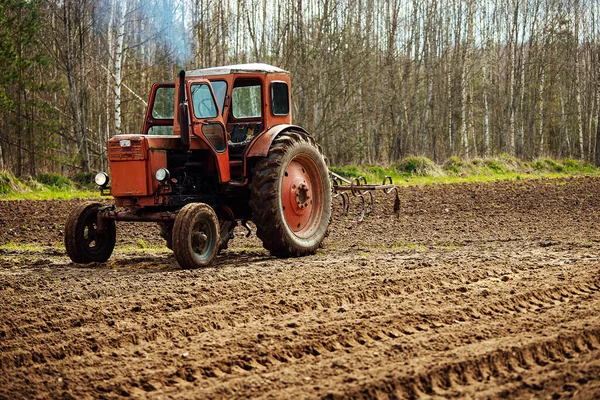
[{"x": 374, "y": 81}]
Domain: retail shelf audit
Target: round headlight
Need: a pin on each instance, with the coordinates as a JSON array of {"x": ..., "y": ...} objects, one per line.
[
  {"x": 162, "y": 174},
  {"x": 101, "y": 179}
]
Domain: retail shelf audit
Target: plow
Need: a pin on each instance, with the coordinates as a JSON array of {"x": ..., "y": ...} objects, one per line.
[{"x": 360, "y": 189}]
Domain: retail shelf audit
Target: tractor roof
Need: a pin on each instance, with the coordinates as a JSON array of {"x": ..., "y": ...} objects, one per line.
[{"x": 237, "y": 69}]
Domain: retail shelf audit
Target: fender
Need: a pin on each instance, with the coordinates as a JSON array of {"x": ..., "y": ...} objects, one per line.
[{"x": 260, "y": 146}]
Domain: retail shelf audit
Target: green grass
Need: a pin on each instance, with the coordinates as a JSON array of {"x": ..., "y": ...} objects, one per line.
[
  {"x": 126, "y": 249},
  {"x": 46, "y": 187},
  {"x": 422, "y": 171},
  {"x": 409, "y": 171},
  {"x": 28, "y": 247}
]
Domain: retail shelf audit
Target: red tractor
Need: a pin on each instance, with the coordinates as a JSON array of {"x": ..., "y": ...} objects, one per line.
[{"x": 217, "y": 148}]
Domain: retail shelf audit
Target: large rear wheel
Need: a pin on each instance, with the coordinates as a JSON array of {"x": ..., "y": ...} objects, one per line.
[
  {"x": 84, "y": 241},
  {"x": 291, "y": 196},
  {"x": 195, "y": 236}
]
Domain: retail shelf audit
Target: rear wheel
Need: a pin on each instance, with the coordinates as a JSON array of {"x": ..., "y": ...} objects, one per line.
[
  {"x": 84, "y": 242},
  {"x": 291, "y": 196},
  {"x": 195, "y": 237}
]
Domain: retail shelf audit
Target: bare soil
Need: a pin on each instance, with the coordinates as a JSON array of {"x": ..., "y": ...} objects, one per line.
[{"x": 473, "y": 290}]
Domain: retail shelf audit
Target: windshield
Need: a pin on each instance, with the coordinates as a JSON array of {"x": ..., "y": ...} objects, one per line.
[
  {"x": 203, "y": 102},
  {"x": 220, "y": 90}
]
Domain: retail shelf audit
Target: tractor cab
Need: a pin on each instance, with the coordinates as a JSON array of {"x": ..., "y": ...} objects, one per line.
[{"x": 252, "y": 98}]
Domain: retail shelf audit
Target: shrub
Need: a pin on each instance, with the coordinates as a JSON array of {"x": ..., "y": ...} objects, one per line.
[
  {"x": 84, "y": 178},
  {"x": 454, "y": 164},
  {"x": 9, "y": 183},
  {"x": 421, "y": 166},
  {"x": 54, "y": 180},
  {"x": 548, "y": 164},
  {"x": 570, "y": 163},
  {"x": 511, "y": 164},
  {"x": 376, "y": 171},
  {"x": 493, "y": 165}
]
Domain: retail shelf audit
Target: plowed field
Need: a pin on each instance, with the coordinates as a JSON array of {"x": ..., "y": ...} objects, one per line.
[{"x": 473, "y": 290}]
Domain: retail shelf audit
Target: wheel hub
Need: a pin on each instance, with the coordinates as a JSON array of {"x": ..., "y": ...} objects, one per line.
[{"x": 297, "y": 195}]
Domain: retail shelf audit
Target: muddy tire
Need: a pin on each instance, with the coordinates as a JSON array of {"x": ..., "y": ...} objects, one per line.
[
  {"x": 195, "y": 236},
  {"x": 291, "y": 196},
  {"x": 83, "y": 242}
]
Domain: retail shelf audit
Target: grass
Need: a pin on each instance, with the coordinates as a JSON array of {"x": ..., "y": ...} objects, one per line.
[
  {"x": 28, "y": 247},
  {"x": 407, "y": 172},
  {"x": 126, "y": 249},
  {"x": 422, "y": 171},
  {"x": 46, "y": 187}
]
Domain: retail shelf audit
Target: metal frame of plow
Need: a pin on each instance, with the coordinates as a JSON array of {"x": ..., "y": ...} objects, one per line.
[{"x": 359, "y": 187}]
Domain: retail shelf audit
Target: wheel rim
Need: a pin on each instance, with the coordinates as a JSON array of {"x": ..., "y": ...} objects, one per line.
[
  {"x": 301, "y": 195},
  {"x": 202, "y": 239}
]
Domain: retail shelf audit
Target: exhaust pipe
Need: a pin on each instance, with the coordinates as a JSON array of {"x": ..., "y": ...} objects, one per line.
[{"x": 184, "y": 118}]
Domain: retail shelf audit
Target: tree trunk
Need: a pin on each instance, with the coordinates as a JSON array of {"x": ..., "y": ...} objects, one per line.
[
  {"x": 118, "y": 69},
  {"x": 541, "y": 110},
  {"x": 577, "y": 84},
  {"x": 74, "y": 100},
  {"x": 511, "y": 83}
]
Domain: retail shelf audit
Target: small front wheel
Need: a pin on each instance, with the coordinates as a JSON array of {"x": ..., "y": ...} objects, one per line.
[
  {"x": 84, "y": 241},
  {"x": 195, "y": 236}
]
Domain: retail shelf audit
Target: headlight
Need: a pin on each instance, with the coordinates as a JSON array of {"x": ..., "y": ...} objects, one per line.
[
  {"x": 162, "y": 174},
  {"x": 101, "y": 179}
]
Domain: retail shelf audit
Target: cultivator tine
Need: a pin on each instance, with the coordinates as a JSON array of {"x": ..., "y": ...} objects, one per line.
[
  {"x": 338, "y": 181},
  {"x": 361, "y": 189}
]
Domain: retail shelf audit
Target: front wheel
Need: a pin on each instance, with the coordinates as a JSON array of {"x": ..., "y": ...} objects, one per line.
[
  {"x": 291, "y": 196},
  {"x": 195, "y": 236},
  {"x": 84, "y": 242}
]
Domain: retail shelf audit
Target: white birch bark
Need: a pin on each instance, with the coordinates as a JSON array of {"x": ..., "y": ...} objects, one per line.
[
  {"x": 118, "y": 65},
  {"x": 541, "y": 111},
  {"x": 465, "y": 80},
  {"x": 511, "y": 83},
  {"x": 109, "y": 77},
  {"x": 578, "y": 84}
]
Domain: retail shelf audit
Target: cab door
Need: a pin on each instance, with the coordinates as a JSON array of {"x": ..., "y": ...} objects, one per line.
[
  {"x": 161, "y": 110},
  {"x": 207, "y": 123}
]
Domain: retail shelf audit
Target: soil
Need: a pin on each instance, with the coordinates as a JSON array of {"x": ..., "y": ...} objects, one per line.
[{"x": 472, "y": 290}]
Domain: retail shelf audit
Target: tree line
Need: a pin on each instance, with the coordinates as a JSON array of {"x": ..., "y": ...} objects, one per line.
[{"x": 373, "y": 80}]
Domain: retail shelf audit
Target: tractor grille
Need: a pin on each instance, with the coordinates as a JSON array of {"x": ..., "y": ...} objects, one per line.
[{"x": 126, "y": 150}]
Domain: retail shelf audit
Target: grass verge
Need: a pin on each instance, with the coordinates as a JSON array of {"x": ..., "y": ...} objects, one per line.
[
  {"x": 409, "y": 171},
  {"x": 46, "y": 187},
  {"x": 423, "y": 171}
]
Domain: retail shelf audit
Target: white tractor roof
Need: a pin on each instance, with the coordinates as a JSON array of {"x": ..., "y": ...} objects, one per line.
[{"x": 236, "y": 69}]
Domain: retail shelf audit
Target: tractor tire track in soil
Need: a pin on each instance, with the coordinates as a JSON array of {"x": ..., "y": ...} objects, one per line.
[{"x": 477, "y": 290}]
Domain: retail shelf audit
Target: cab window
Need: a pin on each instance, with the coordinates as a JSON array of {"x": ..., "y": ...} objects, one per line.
[
  {"x": 203, "y": 102},
  {"x": 246, "y": 100},
  {"x": 164, "y": 106},
  {"x": 280, "y": 99},
  {"x": 220, "y": 90}
]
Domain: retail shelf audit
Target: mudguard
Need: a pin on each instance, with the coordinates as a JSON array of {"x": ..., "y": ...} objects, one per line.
[{"x": 260, "y": 146}]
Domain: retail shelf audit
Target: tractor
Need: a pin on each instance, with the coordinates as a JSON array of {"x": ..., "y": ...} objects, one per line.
[{"x": 218, "y": 148}]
